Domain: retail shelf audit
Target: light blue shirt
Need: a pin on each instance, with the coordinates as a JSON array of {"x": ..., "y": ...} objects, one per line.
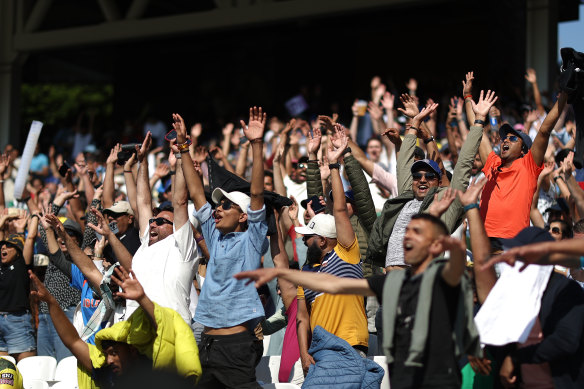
[{"x": 225, "y": 301}]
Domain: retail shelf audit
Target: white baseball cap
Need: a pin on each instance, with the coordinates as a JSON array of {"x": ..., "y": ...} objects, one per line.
[
  {"x": 321, "y": 224},
  {"x": 238, "y": 198}
]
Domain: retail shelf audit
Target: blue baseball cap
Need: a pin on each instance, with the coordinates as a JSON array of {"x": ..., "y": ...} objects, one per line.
[
  {"x": 425, "y": 164},
  {"x": 506, "y": 128}
]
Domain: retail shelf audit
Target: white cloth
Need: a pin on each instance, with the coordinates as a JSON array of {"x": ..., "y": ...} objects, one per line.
[
  {"x": 166, "y": 270},
  {"x": 299, "y": 192},
  {"x": 510, "y": 310}
]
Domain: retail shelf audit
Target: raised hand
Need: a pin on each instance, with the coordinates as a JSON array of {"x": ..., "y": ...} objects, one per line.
[
  {"x": 279, "y": 152},
  {"x": 567, "y": 166},
  {"x": 113, "y": 156},
  {"x": 467, "y": 86},
  {"x": 388, "y": 101},
  {"x": 217, "y": 152},
  {"x": 338, "y": 143},
  {"x": 482, "y": 108},
  {"x": 38, "y": 288},
  {"x": 227, "y": 130},
  {"x": 130, "y": 162},
  {"x": 56, "y": 225},
  {"x": 423, "y": 114},
  {"x": 374, "y": 110},
  {"x": 438, "y": 207},
  {"x": 286, "y": 131},
  {"x": 65, "y": 196},
  {"x": 162, "y": 170},
  {"x": 98, "y": 193},
  {"x": 471, "y": 196},
  {"x": 4, "y": 163},
  {"x": 142, "y": 151},
  {"x": 102, "y": 226},
  {"x": 293, "y": 209},
  {"x": 393, "y": 135},
  {"x": 355, "y": 107},
  {"x": 410, "y": 108},
  {"x": 412, "y": 85},
  {"x": 532, "y": 116},
  {"x": 314, "y": 141},
  {"x": 327, "y": 122},
  {"x": 201, "y": 153},
  {"x": 131, "y": 287},
  {"x": 257, "y": 122},
  {"x": 21, "y": 221},
  {"x": 196, "y": 130},
  {"x": 531, "y": 76}
]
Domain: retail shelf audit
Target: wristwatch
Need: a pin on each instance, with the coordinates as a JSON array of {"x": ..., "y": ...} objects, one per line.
[
  {"x": 430, "y": 139},
  {"x": 334, "y": 165}
]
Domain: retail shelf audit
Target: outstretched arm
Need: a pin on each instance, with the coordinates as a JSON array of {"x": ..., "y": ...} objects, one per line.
[
  {"x": 144, "y": 196},
  {"x": 64, "y": 327},
  {"x": 481, "y": 110},
  {"x": 108, "y": 181},
  {"x": 254, "y": 131},
  {"x": 540, "y": 143},
  {"x": 132, "y": 290},
  {"x": 102, "y": 227}
]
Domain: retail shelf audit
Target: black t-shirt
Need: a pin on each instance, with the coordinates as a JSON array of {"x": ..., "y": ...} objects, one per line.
[
  {"x": 14, "y": 286},
  {"x": 440, "y": 366},
  {"x": 130, "y": 240}
]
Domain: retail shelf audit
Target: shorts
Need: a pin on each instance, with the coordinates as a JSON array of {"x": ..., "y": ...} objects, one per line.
[{"x": 16, "y": 332}]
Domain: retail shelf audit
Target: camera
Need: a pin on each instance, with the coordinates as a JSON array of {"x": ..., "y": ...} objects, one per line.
[{"x": 126, "y": 153}]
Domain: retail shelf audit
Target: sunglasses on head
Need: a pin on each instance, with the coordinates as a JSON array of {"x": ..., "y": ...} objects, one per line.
[
  {"x": 428, "y": 175},
  {"x": 512, "y": 138},
  {"x": 226, "y": 204},
  {"x": 159, "y": 221}
]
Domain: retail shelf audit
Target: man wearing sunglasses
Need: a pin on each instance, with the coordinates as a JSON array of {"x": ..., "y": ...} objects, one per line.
[
  {"x": 168, "y": 255},
  {"x": 122, "y": 215},
  {"x": 235, "y": 235},
  {"x": 512, "y": 176}
]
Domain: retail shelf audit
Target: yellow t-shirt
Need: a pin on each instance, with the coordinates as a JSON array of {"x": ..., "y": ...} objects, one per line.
[{"x": 342, "y": 315}]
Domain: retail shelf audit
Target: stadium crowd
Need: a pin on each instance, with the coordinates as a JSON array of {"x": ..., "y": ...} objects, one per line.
[{"x": 399, "y": 234}]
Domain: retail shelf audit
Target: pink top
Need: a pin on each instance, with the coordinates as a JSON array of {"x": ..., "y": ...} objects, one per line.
[
  {"x": 290, "y": 350},
  {"x": 385, "y": 179}
]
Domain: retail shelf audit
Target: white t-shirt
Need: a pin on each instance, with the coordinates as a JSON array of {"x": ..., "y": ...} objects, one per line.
[
  {"x": 166, "y": 270},
  {"x": 299, "y": 193}
]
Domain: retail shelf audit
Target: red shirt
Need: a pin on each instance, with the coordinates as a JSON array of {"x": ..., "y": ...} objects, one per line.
[{"x": 506, "y": 199}]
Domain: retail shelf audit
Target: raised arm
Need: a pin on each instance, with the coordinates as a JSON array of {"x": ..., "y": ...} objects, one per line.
[
  {"x": 531, "y": 77},
  {"x": 338, "y": 143},
  {"x": 535, "y": 215},
  {"x": 79, "y": 258},
  {"x": 144, "y": 196},
  {"x": 540, "y": 143},
  {"x": 108, "y": 181},
  {"x": 254, "y": 131},
  {"x": 481, "y": 111},
  {"x": 314, "y": 186},
  {"x": 241, "y": 164},
  {"x": 4, "y": 163},
  {"x": 33, "y": 227},
  {"x": 133, "y": 290},
  {"x": 193, "y": 180},
  {"x": 467, "y": 96},
  {"x": 130, "y": 179},
  {"x": 64, "y": 327},
  {"x": 179, "y": 191},
  {"x": 279, "y": 186},
  {"x": 281, "y": 261}
]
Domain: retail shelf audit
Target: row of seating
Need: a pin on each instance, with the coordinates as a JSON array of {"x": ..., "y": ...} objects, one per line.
[{"x": 41, "y": 372}]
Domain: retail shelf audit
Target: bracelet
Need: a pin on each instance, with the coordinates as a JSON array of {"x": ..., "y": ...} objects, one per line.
[
  {"x": 184, "y": 151},
  {"x": 430, "y": 139},
  {"x": 467, "y": 97},
  {"x": 256, "y": 140},
  {"x": 35, "y": 215},
  {"x": 558, "y": 177},
  {"x": 312, "y": 161},
  {"x": 415, "y": 128},
  {"x": 128, "y": 171},
  {"x": 97, "y": 255},
  {"x": 582, "y": 261},
  {"x": 345, "y": 151},
  {"x": 334, "y": 165},
  {"x": 471, "y": 206},
  {"x": 199, "y": 239},
  {"x": 172, "y": 172},
  {"x": 179, "y": 154},
  {"x": 479, "y": 121},
  {"x": 183, "y": 146}
]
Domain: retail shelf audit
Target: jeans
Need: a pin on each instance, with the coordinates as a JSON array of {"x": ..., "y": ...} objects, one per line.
[
  {"x": 16, "y": 333},
  {"x": 48, "y": 341}
]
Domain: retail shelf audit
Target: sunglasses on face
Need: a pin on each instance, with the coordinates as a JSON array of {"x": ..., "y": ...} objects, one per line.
[
  {"x": 306, "y": 238},
  {"x": 555, "y": 230},
  {"x": 227, "y": 204},
  {"x": 159, "y": 221},
  {"x": 512, "y": 138},
  {"x": 429, "y": 176}
]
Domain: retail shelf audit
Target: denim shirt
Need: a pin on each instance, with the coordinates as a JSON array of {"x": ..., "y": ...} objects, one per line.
[{"x": 225, "y": 301}]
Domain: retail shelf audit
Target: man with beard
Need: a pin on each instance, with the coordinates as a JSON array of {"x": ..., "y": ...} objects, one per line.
[
  {"x": 333, "y": 249},
  {"x": 295, "y": 183}
]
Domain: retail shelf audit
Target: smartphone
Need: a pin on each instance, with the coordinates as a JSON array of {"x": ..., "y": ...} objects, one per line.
[
  {"x": 114, "y": 227},
  {"x": 64, "y": 168}
]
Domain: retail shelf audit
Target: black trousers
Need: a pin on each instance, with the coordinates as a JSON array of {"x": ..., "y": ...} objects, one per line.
[{"x": 229, "y": 361}]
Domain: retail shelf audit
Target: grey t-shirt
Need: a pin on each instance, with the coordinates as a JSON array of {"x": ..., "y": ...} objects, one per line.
[{"x": 395, "y": 248}]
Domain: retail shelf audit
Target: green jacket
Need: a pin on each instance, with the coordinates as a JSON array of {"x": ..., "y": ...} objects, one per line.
[
  {"x": 383, "y": 226},
  {"x": 465, "y": 334}
]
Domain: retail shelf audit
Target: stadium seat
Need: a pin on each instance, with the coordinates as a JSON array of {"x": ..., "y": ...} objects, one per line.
[
  {"x": 267, "y": 369},
  {"x": 380, "y": 359},
  {"x": 37, "y": 368},
  {"x": 35, "y": 384},
  {"x": 64, "y": 385},
  {"x": 67, "y": 370},
  {"x": 11, "y": 359},
  {"x": 266, "y": 344},
  {"x": 281, "y": 386}
]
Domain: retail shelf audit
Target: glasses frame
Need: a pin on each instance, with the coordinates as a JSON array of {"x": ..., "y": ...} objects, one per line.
[
  {"x": 158, "y": 221},
  {"x": 428, "y": 176}
]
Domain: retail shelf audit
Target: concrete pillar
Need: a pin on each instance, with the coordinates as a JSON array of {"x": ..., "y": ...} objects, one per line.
[
  {"x": 542, "y": 41},
  {"x": 9, "y": 76}
]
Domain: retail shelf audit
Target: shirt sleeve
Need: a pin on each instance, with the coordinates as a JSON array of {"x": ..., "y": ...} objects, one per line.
[
  {"x": 58, "y": 259},
  {"x": 77, "y": 277},
  {"x": 530, "y": 165},
  {"x": 186, "y": 242},
  {"x": 257, "y": 228},
  {"x": 204, "y": 216},
  {"x": 385, "y": 179},
  {"x": 376, "y": 285}
]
